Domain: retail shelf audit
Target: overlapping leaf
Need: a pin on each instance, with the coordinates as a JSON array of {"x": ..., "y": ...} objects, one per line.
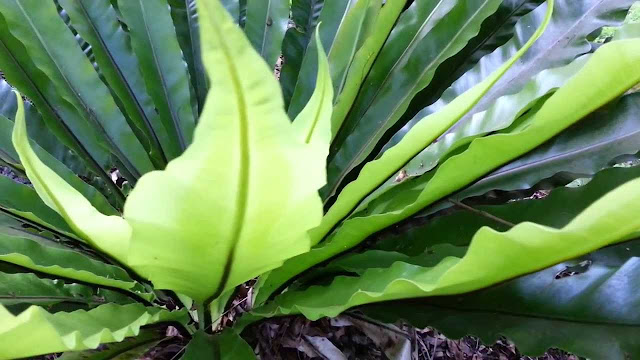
[
  {"x": 58, "y": 114},
  {"x": 419, "y": 43},
  {"x": 363, "y": 60},
  {"x": 265, "y": 27},
  {"x": 95, "y": 197},
  {"x": 40, "y": 132},
  {"x": 556, "y": 210},
  {"x": 333, "y": 18},
  {"x": 498, "y": 117},
  {"x": 156, "y": 46},
  {"x": 495, "y": 31},
  {"x": 565, "y": 39},
  {"x": 97, "y": 23},
  {"x": 305, "y": 15},
  {"x": 27, "y": 288},
  {"x": 130, "y": 348},
  {"x": 109, "y": 234},
  {"x": 596, "y": 86},
  {"x": 377, "y": 171},
  {"x": 525, "y": 248},
  {"x": 22, "y": 201}
]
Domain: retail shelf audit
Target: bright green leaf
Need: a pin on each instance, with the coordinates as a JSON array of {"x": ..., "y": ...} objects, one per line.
[
  {"x": 37, "y": 332},
  {"x": 237, "y": 192}
]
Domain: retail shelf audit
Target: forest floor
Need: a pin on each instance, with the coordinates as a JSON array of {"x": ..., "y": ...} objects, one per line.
[{"x": 349, "y": 337}]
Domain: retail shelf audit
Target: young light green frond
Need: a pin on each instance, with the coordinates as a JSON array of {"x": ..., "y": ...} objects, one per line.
[
  {"x": 109, "y": 234},
  {"x": 313, "y": 124},
  {"x": 238, "y": 192},
  {"x": 37, "y": 332}
]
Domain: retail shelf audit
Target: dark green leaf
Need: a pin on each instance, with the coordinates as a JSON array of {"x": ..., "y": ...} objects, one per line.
[
  {"x": 60, "y": 117},
  {"x": 97, "y": 22},
  {"x": 496, "y": 30},
  {"x": 592, "y": 314},
  {"x": 582, "y": 149},
  {"x": 407, "y": 63},
  {"x": 185, "y": 19},
  {"x": 156, "y": 45},
  {"x": 95, "y": 197},
  {"x": 555, "y": 210},
  {"x": 39, "y": 131},
  {"x": 332, "y": 17},
  {"x": 565, "y": 39},
  {"x": 38, "y": 27},
  {"x": 304, "y": 14},
  {"x": 265, "y": 27},
  {"x": 22, "y": 201},
  {"x": 224, "y": 346},
  {"x": 129, "y": 349},
  {"x": 46, "y": 257},
  {"x": 27, "y": 288}
]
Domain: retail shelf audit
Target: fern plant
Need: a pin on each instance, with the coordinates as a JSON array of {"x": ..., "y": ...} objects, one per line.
[{"x": 167, "y": 165}]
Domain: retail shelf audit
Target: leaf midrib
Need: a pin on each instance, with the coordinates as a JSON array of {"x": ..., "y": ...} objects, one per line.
[
  {"x": 163, "y": 80},
  {"x": 243, "y": 175},
  {"x": 351, "y": 55},
  {"x": 266, "y": 28},
  {"x": 562, "y": 156},
  {"x": 524, "y": 315},
  {"x": 543, "y": 53},
  {"x": 411, "y": 45}
]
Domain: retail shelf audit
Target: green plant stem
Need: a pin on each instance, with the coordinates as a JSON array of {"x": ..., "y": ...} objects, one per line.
[{"x": 203, "y": 316}]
